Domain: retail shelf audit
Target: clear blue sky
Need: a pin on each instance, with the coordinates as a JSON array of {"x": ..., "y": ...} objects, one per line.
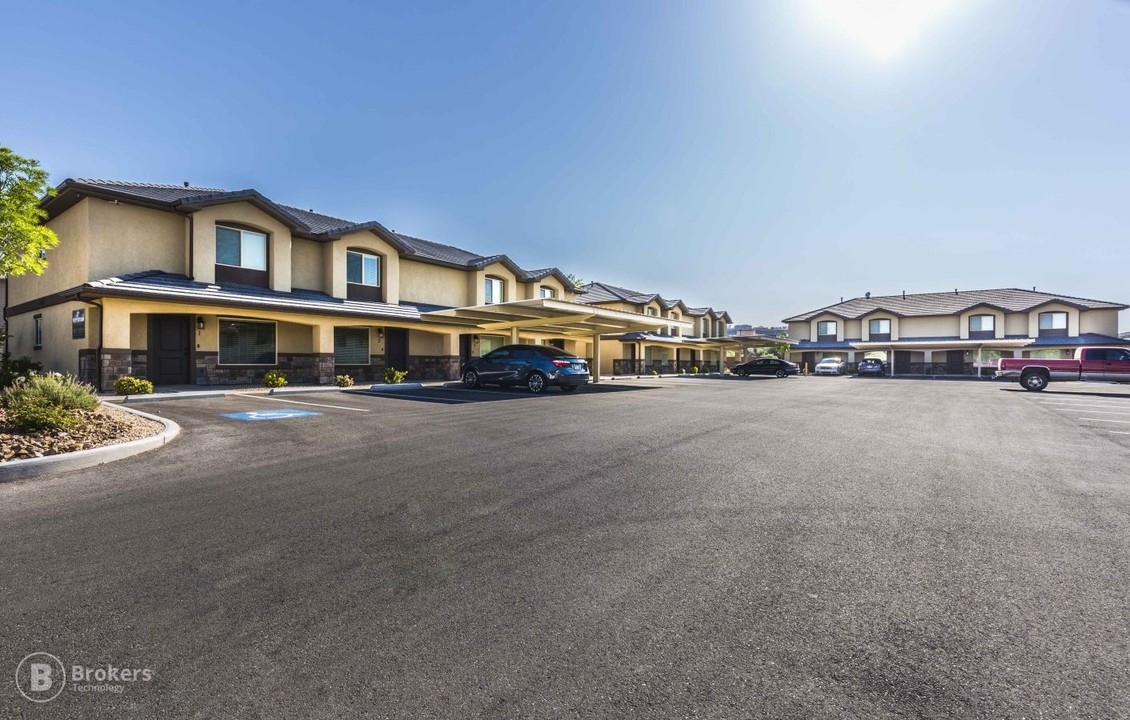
[{"x": 756, "y": 156}]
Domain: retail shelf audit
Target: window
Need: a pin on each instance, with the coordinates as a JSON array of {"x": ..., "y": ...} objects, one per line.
[
  {"x": 494, "y": 290},
  {"x": 362, "y": 269},
  {"x": 649, "y": 311},
  {"x": 488, "y": 343},
  {"x": 241, "y": 248},
  {"x": 351, "y": 345},
  {"x": 547, "y": 293},
  {"x": 879, "y": 327},
  {"x": 1053, "y": 324},
  {"x": 38, "y": 320},
  {"x": 826, "y": 330},
  {"x": 982, "y": 326},
  {"x": 247, "y": 342}
]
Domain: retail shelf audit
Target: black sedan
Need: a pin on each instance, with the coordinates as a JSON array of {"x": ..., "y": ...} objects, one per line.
[
  {"x": 766, "y": 366},
  {"x": 871, "y": 366},
  {"x": 535, "y": 366}
]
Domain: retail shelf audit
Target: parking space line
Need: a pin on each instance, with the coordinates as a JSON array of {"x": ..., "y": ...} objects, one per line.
[
  {"x": 1127, "y": 422},
  {"x": 299, "y": 402},
  {"x": 1104, "y": 412},
  {"x": 1118, "y": 432},
  {"x": 1086, "y": 404}
]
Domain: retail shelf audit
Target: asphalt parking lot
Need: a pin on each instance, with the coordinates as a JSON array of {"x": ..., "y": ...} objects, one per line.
[{"x": 799, "y": 548}]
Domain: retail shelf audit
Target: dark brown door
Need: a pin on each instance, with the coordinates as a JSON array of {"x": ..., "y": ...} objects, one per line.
[
  {"x": 396, "y": 348},
  {"x": 170, "y": 349},
  {"x": 955, "y": 362},
  {"x": 902, "y": 362},
  {"x": 466, "y": 341},
  {"x": 809, "y": 359}
]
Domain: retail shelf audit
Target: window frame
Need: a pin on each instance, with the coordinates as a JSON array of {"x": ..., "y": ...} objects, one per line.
[
  {"x": 219, "y": 345},
  {"x": 543, "y": 289},
  {"x": 368, "y": 345},
  {"x": 37, "y": 332},
  {"x": 364, "y": 254},
  {"x": 242, "y": 232},
  {"x": 828, "y": 337},
  {"x": 1053, "y": 331},
  {"x": 488, "y": 291},
  {"x": 982, "y": 333}
]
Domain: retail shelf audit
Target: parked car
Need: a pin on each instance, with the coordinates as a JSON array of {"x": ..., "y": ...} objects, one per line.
[
  {"x": 535, "y": 366},
  {"x": 766, "y": 366},
  {"x": 1110, "y": 364},
  {"x": 871, "y": 366},
  {"x": 829, "y": 366}
]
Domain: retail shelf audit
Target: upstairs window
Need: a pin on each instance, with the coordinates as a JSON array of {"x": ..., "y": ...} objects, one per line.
[
  {"x": 982, "y": 326},
  {"x": 826, "y": 330},
  {"x": 1053, "y": 324},
  {"x": 879, "y": 330},
  {"x": 649, "y": 311},
  {"x": 547, "y": 293},
  {"x": 241, "y": 248},
  {"x": 241, "y": 256},
  {"x": 362, "y": 276},
  {"x": 494, "y": 290},
  {"x": 362, "y": 268}
]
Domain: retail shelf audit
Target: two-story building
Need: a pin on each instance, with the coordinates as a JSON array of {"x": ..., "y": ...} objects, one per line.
[
  {"x": 953, "y": 333},
  {"x": 192, "y": 285},
  {"x": 690, "y": 337}
]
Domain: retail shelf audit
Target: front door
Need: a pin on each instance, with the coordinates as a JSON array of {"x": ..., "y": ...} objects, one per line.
[
  {"x": 955, "y": 362},
  {"x": 466, "y": 343},
  {"x": 170, "y": 349},
  {"x": 902, "y": 362},
  {"x": 396, "y": 348}
]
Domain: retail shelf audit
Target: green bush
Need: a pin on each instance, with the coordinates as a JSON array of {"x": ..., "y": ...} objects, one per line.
[
  {"x": 20, "y": 367},
  {"x": 694, "y": 370},
  {"x": 129, "y": 385},
  {"x": 394, "y": 376},
  {"x": 654, "y": 372},
  {"x": 274, "y": 379},
  {"x": 343, "y": 381},
  {"x": 47, "y": 402}
]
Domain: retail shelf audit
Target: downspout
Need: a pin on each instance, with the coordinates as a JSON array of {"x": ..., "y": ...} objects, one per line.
[
  {"x": 191, "y": 249},
  {"x": 98, "y": 357}
]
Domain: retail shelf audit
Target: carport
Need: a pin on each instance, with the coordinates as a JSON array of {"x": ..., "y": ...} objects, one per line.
[
  {"x": 750, "y": 342},
  {"x": 554, "y": 318}
]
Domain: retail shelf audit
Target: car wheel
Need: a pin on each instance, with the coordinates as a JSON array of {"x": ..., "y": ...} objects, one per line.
[
  {"x": 536, "y": 382},
  {"x": 471, "y": 379},
  {"x": 1034, "y": 381},
  {"x": 780, "y": 373},
  {"x": 740, "y": 373},
  {"x": 568, "y": 388}
]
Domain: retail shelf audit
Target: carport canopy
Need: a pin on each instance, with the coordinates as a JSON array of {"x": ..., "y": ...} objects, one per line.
[
  {"x": 752, "y": 341},
  {"x": 552, "y": 317}
]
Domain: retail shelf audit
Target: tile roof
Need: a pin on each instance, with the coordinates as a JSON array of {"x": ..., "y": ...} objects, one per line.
[
  {"x": 1084, "y": 339},
  {"x": 168, "y": 286},
  {"x": 149, "y": 191},
  {"x": 952, "y": 303}
]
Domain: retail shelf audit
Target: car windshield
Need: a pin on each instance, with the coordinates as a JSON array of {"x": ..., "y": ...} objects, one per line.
[{"x": 829, "y": 361}]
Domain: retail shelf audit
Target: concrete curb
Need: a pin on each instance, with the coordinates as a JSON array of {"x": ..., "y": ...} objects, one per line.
[
  {"x": 399, "y": 387},
  {"x": 201, "y": 394},
  {"x": 20, "y": 469}
]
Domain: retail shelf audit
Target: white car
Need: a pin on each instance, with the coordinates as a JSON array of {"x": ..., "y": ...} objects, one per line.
[{"x": 829, "y": 366}]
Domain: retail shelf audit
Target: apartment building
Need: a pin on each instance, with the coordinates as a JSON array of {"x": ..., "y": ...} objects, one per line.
[
  {"x": 194, "y": 285},
  {"x": 953, "y": 333},
  {"x": 690, "y": 336}
]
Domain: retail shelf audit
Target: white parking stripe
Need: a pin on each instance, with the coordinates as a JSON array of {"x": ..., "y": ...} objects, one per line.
[
  {"x": 1103, "y": 412},
  {"x": 1086, "y": 404},
  {"x": 1118, "y": 432},
  {"x": 299, "y": 402},
  {"x": 1127, "y": 422}
]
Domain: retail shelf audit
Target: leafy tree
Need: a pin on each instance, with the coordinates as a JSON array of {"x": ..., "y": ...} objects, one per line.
[
  {"x": 24, "y": 239},
  {"x": 577, "y": 282}
]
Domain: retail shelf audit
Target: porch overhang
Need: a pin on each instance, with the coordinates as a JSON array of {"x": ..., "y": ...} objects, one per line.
[
  {"x": 544, "y": 316},
  {"x": 941, "y": 344},
  {"x": 751, "y": 341}
]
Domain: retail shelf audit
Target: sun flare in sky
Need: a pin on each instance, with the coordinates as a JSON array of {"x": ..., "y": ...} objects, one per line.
[{"x": 883, "y": 27}]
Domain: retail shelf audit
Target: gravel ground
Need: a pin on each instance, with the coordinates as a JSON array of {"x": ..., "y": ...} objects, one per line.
[{"x": 104, "y": 426}]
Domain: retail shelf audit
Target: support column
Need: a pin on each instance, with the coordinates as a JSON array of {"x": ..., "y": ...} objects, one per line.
[
  {"x": 514, "y": 335},
  {"x": 891, "y": 357},
  {"x": 594, "y": 371},
  {"x": 980, "y": 357},
  {"x": 322, "y": 342}
]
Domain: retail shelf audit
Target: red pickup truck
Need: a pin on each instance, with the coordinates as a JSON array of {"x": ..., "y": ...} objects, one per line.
[{"x": 1102, "y": 364}]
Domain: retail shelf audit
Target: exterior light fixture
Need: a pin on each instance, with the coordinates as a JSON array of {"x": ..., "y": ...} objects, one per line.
[{"x": 199, "y": 322}]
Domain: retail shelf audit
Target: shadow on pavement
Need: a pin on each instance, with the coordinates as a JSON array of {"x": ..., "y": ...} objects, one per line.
[{"x": 464, "y": 396}]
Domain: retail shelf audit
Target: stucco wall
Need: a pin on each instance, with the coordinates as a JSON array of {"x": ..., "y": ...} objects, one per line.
[
  {"x": 934, "y": 326},
  {"x": 241, "y": 213},
  {"x": 307, "y": 271},
  {"x": 59, "y": 351},
  {"x": 67, "y": 264},
  {"x": 128, "y": 239},
  {"x": 1104, "y": 322},
  {"x": 433, "y": 284},
  {"x": 1016, "y": 324}
]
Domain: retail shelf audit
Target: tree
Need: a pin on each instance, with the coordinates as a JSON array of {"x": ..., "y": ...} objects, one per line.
[
  {"x": 24, "y": 239},
  {"x": 577, "y": 282}
]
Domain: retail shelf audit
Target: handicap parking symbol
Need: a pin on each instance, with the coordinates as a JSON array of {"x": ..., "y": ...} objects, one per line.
[{"x": 253, "y": 415}]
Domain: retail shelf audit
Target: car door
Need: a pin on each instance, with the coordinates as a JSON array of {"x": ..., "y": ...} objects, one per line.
[
  {"x": 764, "y": 366},
  {"x": 1092, "y": 364},
  {"x": 1117, "y": 367},
  {"x": 517, "y": 365},
  {"x": 492, "y": 365}
]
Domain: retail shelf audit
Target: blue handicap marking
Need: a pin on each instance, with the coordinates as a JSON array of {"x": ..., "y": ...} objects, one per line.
[{"x": 254, "y": 415}]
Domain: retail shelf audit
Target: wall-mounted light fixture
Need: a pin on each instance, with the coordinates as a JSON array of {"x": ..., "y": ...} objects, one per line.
[
  {"x": 380, "y": 334},
  {"x": 199, "y": 322}
]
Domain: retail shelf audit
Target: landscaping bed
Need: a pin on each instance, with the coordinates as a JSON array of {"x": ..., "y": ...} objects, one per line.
[{"x": 102, "y": 426}]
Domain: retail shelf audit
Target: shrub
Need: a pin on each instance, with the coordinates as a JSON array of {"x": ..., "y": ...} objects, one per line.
[
  {"x": 47, "y": 402},
  {"x": 394, "y": 376},
  {"x": 274, "y": 379},
  {"x": 654, "y": 372},
  {"x": 694, "y": 370},
  {"x": 343, "y": 381},
  {"x": 129, "y": 385},
  {"x": 20, "y": 367}
]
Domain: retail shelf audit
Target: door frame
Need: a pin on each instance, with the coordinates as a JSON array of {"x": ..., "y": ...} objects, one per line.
[{"x": 152, "y": 347}]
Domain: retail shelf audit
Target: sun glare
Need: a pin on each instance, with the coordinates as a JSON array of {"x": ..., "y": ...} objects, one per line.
[{"x": 883, "y": 27}]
